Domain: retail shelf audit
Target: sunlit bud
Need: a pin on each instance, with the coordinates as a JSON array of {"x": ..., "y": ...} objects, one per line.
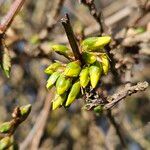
[
  {"x": 61, "y": 49},
  {"x": 95, "y": 43},
  {"x": 84, "y": 77},
  {"x": 72, "y": 69},
  {"x": 5, "y": 143},
  {"x": 25, "y": 110},
  {"x": 75, "y": 89},
  {"x": 52, "y": 79},
  {"x": 105, "y": 63},
  {"x": 89, "y": 58},
  {"x": 52, "y": 68},
  {"x": 58, "y": 101},
  {"x": 62, "y": 84},
  {"x": 98, "y": 109},
  {"x": 95, "y": 72},
  {"x": 5, "y": 127}
]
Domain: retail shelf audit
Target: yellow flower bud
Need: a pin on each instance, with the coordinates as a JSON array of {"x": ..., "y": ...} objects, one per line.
[
  {"x": 75, "y": 89},
  {"x": 84, "y": 77},
  {"x": 52, "y": 79},
  {"x": 5, "y": 143},
  {"x": 58, "y": 101},
  {"x": 62, "y": 84},
  {"x": 72, "y": 69},
  {"x": 88, "y": 57},
  {"x": 95, "y": 71},
  {"x": 5, "y": 127},
  {"x": 52, "y": 68},
  {"x": 60, "y": 49},
  {"x": 95, "y": 43},
  {"x": 105, "y": 63}
]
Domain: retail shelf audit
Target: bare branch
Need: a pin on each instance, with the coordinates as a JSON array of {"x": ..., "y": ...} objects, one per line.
[
  {"x": 71, "y": 37},
  {"x": 128, "y": 91},
  {"x": 8, "y": 18}
]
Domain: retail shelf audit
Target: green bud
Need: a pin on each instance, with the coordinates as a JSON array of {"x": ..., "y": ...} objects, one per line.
[
  {"x": 5, "y": 127},
  {"x": 84, "y": 77},
  {"x": 58, "y": 100},
  {"x": 105, "y": 63},
  {"x": 61, "y": 49},
  {"x": 62, "y": 84},
  {"x": 140, "y": 30},
  {"x": 98, "y": 109},
  {"x": 5, "y": 143},
  {"x": 72, "y": 69},
  {"x": 95, "y": 43},
  {"x": 53, "y": 67},
  {"x": 73, "y": 93},
  {"x": 25, "y": 110},
  {"x": 95, "y": 71},
  {"x": 52, "y": 79},
  {"x": 89, "y": 58}
]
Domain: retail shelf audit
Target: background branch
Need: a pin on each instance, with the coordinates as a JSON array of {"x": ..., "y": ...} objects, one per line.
[{"x": 8, "y": 18}]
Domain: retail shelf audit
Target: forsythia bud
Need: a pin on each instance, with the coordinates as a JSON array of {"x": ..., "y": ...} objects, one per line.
[
  {"x": 105, "y": 63},
  {"x": 5, "y": 143},
  {"x": 88, "y": 57},
  {"x": 58, "y": 101},
  {"x": 53, "y": 67},
  {"x": 72, "y": 69},
  {"x": 5, "y": 127},
  {"x": 52, "y": 79},
  {"x": 75, "y": 89},
  {"x": 25, "y": 110},
  {"x": 98, "y": 109},
  {"x": 95, "y": 71},
  {"x": 84, "y": 77},
  {"x": 95, "y": 43},
  {"x": 61, "y": 49},
  {"x": 62, "y": 84}
]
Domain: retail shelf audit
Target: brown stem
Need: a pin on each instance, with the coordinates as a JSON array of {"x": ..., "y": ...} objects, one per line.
[
  {"x": 71, "y": 37},
  {"x": 117, "y": 128},
  {"x": 97, "y": 16},
  {"x": 8, "y": 18}
]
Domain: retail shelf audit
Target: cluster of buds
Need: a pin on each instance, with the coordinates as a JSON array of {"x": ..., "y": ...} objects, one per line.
[
  {"x": 69, "y": 79},
  {"x": 7, "y": 129}
]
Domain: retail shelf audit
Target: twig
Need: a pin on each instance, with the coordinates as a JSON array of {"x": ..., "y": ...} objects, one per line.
[
  {"x": 71, "y": 37},
  {"x": 55, "y": 15},
  {"x": 37, "y": 131},
  {"x": 8, "y": 18},
  {"x": 125, "y": 92},
  {"x": 117, "y": 128},
  {"x": 97, "y": 16}
]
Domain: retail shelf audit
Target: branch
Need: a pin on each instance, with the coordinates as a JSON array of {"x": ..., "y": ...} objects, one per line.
[
  {"x": 8, "y": 18},
  {"x": 71, "y": 37},
  {"x": 124, "y": 93},
  {"x": 117, "y": 128},
  {"x": 97, "y": 16}
]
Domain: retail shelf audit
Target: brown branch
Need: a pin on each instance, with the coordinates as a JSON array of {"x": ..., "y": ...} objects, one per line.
[
  {"x": 97, "y": 16},
  {"x": 37, "y": 131},
  {"x": 8, "y": 18},
  {"x": 124, "y": 93},
  {"x": 117, "y": 128},
  {"x": 71, "y": 37},
  {"x": 55, "y": 15}
]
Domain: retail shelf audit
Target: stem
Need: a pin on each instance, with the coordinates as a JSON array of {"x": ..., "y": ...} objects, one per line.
[
  {"x": 117, "y": 128},
  {"x": 71, "y": 37},
  {"x": 8, "y": 18}
]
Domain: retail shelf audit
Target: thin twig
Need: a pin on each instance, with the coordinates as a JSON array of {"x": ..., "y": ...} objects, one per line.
[
  {"x": 117, "y": 128},
  {"x": 8, "y": 18},
  {"x": 71, "y": 37},
  {"x": 125, "y": 92},
  {"x": 97, "y": 16},
  {"x": 37, "y": 131}
]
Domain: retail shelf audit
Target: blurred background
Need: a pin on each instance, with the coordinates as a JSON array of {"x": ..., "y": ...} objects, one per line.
[{"x": 29, "y": 38}]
